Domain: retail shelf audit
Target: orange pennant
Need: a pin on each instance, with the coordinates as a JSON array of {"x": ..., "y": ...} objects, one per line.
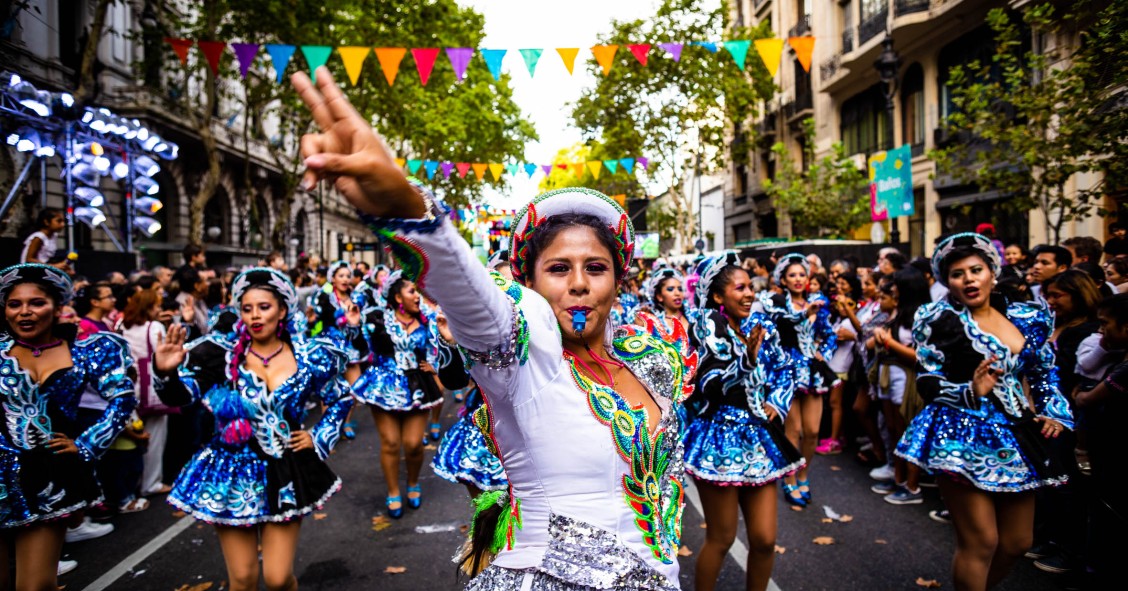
[
  {"x": 479, "y": 170},
  {"x": 804, "y": 47},
  {"x": 568, "y": 54},
  {"x": 621, "y": 199},
  {"x": 595, "y": 167},
  {"x": 353, "y": 57},
  {"x": 390, "y": 58},
  {"x": 496, "y": 169},
  {"x": 181, "y": 47},
  {"x": 400, "y": 162},
  {"x": 604, "y": 56},
  {"x": 579, "y": 170}
]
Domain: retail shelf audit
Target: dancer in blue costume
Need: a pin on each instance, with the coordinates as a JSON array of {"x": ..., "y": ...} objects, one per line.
[
  {"x": 46, "y": 458},
  {"x": 263, "y": 471},
  {"x": 809, "y": 341},
  {"x": 736, "y": 448},
  {"x": 331, "y": 308},
  {"x": 978, "y": 431},
  {"x": 400, "y": 385}
]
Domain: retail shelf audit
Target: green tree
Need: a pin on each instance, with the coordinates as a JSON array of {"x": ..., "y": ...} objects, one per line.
[
  {"x": 829, "y": 199},
  {"x": 662, "y": 219},
  {"x": 677, "y": 114},
  {"x": 1028, "y": 122}
]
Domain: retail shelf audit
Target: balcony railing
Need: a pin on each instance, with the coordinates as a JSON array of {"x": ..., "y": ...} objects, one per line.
[
  {"x": 801, "y": 28},
  {"x": 848, "y": 40},
  {"x": 830, "y": 67},
  {"x": 873, "y": 25},
  {"x": 903, "y": 7},
  {"x": 804, "y": 101}
]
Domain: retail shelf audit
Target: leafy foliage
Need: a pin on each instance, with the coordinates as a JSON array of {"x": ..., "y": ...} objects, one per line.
[
  {"x": 828, "y": 200},
  {"x": 1030, "y": 121}
]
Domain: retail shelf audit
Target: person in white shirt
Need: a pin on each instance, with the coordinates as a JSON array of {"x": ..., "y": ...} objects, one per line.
[{"x": 41, "y": 246}]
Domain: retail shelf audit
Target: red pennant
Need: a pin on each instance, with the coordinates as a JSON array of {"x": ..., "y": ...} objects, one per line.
[
  {"x": 425, "y": 62},
  {"x": 181, "y": 47},
  {"x": 213, "y": 50},
  {"x": 641, "y": 52},
  {"x": 562, "y": 166},
  {"x": 463, "y": 168}
]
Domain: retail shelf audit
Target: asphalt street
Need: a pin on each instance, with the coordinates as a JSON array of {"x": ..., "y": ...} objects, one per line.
[{"x": 875, "y": 545}]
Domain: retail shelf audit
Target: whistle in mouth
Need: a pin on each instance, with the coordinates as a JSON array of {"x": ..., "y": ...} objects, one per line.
[{"x": 579, "y": 321}]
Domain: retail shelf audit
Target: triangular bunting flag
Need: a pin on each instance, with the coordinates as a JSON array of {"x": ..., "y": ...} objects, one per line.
[
  {"x": 547, "y": 168},
  {"x": 530, "y": 169},
  {"x": 448, "y": 167},
  {"x": 738, "y": 50},
  {"x": 604, "y": 56},
  {"x": 628, "y": 165},
  {"x": 463, "y": 168},
  {"x": 413, "y": 166},
  {"x": 400, "y": 162},
  {"x": 280, "y": 56},
  {"x": 595, "y": 167},
  {"x": 493, "y": 59},
  {"x": 674, "y": 49},
  {"x": 425, "y": 62},
  {"x": 245, "y": 53},
  {"x": 459, "y": 58},
  {"x": 562, "y": 166},
  {"x": 430, "y": 166},
  {"x": 612, "y": 165},
  {"x": 568, "y": 54},
  {"x": 513, "y": 168},
  {"x": 712, "y": 47},
  {"x": 578, "y": 170},
  {"x": 621, "y": 199},
  {"x": 804, "y": 47},
  {"x": 642, "y": 162},
  {"x": 353, "y": 57},
  {"x": 212, "y": 50},
  {"x": 479, "y": 170},
  {"x": 531, "y": 57},
  {"x": 770, "y": 51},
  {"x": 496, "y": 170},
  {"x": 390, "y": 58},
  {"x": 641, "y": 52},
  {"x": 316, "y": 56},
  {"x": 180, "y": 47}
]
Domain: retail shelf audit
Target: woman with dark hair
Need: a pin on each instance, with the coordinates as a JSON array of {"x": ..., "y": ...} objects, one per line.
[
  {"x": 263, "y": 471},
  {"x": 40, "y": 246},
  {"x": 408, "y": 347},
  {"x": 331, "y": 309},
  {"x": 93, "y": 306},
  {"x": 847, "y": 289},
  {"x": 143, "y": 330},
  {"x": 1116, "y": 274},
  {"x": 736, "y": 448},
  {"x": 665, "y": 293},
  {"x": 601, "y": 506},
  {"x": 46, "y": 458},
  {"x": 808, "y": 340},
  {"x": 978, "y": 430}
]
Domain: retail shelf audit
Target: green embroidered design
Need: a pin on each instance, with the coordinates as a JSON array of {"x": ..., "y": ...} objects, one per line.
[{"x": 410, "y": 256}]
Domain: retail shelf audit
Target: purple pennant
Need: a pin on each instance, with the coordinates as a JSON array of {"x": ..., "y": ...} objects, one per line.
[
  {"x": 245, "y": 53},
  {"x": 459, "y": 59},
  {"x": 547, "y": 168},
  {"x": 675, "y": 50},
  {"x": 447, "y": 168},
  {"x": 642, "y": 161}
]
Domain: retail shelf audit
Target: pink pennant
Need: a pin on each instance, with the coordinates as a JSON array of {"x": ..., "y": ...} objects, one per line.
[
  {"x": 459, "y": 59},
  {"x": 245, "y": 53},
  {"x": 641, "y": 52},
  {"x": 425, "y": 62},
  {"x": 463, "y": 168}
]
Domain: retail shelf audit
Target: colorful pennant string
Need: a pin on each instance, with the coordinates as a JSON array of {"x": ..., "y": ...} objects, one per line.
[
  {"x": 493, "y": 59},
  {"x": 390, "y": 58},
  {"x": 353, "y": 58},
  {"x": 212, "y": 50},
  {"x": 459, "y": 59},
  {"x": 245, "y": 53},
  {"x": 316, "y": 56}
]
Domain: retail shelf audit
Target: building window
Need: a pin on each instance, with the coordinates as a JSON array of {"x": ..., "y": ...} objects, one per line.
[
  {"x": 912, "y": 108},
  {"x": 975, "y": 45},
  {"x": 864, "y": 122},
  {"x": 742, "y": 232}
]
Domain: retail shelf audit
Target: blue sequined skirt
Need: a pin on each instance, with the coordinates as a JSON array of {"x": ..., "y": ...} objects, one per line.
[
  {"x": 463, "y": 458},
  {"x": 41, "y": 486},
  {"x": 239, "y": 487},
  {"x": 734, "y": 447},
  {"x": 392, "y": 390},
  {"x": 978, "y": 446}
]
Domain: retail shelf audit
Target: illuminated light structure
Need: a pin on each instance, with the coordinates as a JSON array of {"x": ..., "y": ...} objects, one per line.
[{"x": 92, "y": 143}]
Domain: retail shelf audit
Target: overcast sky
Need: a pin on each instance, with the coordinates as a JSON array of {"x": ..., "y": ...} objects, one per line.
[{"x": 519, "y": 24}]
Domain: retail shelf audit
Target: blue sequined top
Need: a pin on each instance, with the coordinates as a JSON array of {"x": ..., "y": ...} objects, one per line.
[{"x": 728, "y": 377}]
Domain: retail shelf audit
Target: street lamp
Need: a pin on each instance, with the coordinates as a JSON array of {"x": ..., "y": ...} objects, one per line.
[{"x": 888, "y": 64}]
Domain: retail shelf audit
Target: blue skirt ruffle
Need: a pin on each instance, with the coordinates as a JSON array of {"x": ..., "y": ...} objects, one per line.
[
  {"x": 734, "y": 447},
  {"x": 393, "y": 390},
  {"x": 978, "y": 446},
  {"x": 225, "y": 486},
  {"x": 463, "y": 458}
]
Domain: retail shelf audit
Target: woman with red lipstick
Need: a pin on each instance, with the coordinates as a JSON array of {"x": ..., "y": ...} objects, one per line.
[
  {"x": 736, "y": 449},
  {"x": 262, "y": 472},
  {"x": 665, "y": 292},
  {"x": 979, "y": 431},
  {"x": 581, "y": 413},
  {"x": 332, "y": 309},
  {"x": 47, "y": 459},
  {"x": 808, "y": 339}
]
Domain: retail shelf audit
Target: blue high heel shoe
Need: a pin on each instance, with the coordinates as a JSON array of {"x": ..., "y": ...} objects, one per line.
[
  {"x": 398, "y": 511},
  {"x": 793, "y": 500},
  {"x": 349, "y": 430},
  {"x": 416, "y": 502},
  {"x": 436, "y": 431},
  {"x": 806, "y": 494}
]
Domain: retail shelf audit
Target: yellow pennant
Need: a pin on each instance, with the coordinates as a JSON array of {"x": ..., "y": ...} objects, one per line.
[
  {"x": 496, "y": 170},
  {"x": 770, "y": 51},
  {"x": 568, "y": 54},
  {"x": 354, "y": 60},
  {"x": 595, "y": 167},
  {"x": 400, "y": 162}
]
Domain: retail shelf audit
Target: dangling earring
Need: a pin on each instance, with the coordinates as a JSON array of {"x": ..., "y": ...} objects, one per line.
[
  {"x": 279, "y": 335},
  {"x": 401, "y": 310},
  {"x": 723, "y": 311}
]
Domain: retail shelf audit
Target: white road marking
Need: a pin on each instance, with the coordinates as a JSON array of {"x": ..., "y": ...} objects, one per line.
[
  {"x": 131, "y": 561},
  {"x": 738, "y": 550}
]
